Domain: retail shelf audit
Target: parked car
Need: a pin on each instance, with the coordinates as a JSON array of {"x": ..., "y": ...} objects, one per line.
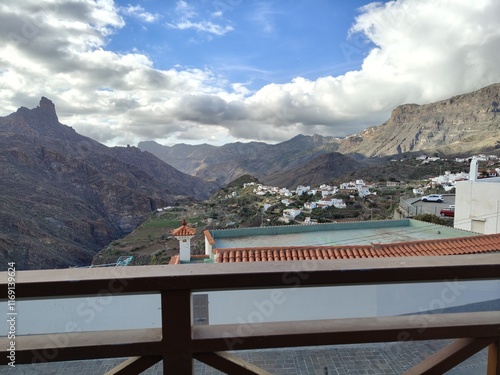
[
  {"x": 433, "y": 198},
  {"x": 449, "y": 211}
]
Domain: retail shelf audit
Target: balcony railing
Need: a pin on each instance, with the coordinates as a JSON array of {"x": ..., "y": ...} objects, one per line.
[{"x": 178, "y": 341}]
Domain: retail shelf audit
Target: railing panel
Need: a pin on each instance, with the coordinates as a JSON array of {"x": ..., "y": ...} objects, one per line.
[
  {"x": 175, "y": 284},
  {"x": 145, "y": 279}
]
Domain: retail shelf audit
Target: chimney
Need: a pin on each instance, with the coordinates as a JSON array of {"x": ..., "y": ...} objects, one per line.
[
  {"x": 184, "y": 235},
  {"x": 473, "y": 170}
]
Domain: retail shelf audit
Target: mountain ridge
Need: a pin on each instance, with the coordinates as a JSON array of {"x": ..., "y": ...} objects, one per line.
[
  {"x": 230, "y": 161},
  {"x": 65, "y": 196},
  {"x": 464, "y": 123}
]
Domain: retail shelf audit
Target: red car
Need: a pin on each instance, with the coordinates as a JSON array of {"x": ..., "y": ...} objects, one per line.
[{"x": 450, "y": 211}]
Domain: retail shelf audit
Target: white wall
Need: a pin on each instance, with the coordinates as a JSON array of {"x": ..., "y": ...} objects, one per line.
[
  {"x": 247, "y": 307},
  {"x": 106, "y": 312},
  {"x": 477, "y": 206},
  {"x": 255, "y": 306}
]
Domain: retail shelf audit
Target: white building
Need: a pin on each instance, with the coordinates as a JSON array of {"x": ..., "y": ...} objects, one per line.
[
  {"x": 291, "y": 213},
  {"x": 310, "y": 205},
  {"x": 348, "y": 186},
  {"x": 302, "y": 189},
  {"x": 285, "y": 192},
  {"x": 418, "y": 191},
  {"x": 335, "y": 202},
  {"x": 339, "y": 203},
  {"x": 477, "y": 203},
  {"x": 363, "y": 191}
]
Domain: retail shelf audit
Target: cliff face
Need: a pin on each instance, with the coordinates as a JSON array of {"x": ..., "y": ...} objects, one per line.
[
  {"x": 64, "y": 196},
  {"x": 462, "y": 124}
]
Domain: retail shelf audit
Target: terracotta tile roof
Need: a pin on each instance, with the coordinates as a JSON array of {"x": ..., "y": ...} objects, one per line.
[
  {"x": 184, "y": 230},
  {"x": 177, "y": 260},
  {"x": 209, "y": 237},
  {"x": 453, "y": 246}
]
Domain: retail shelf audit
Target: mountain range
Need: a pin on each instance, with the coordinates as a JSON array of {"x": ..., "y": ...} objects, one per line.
[
  {"x": 461, "y": 125},
  {"x": 228, "y": 162},
  {"x": 65, "y": 196}
]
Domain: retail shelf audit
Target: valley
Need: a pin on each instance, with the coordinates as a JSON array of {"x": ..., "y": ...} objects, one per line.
[
  {"x": 65, "y": 197},
  {"x": 247, "y": 203}
]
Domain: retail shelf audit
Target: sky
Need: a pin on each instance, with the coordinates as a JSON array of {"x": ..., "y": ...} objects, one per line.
[{"x": 219, "y": 71}]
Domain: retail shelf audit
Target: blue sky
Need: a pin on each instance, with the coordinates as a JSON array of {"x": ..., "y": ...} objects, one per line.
[
  {"x": 255, "y": 42},
  {"x": 218, "y": 71}
]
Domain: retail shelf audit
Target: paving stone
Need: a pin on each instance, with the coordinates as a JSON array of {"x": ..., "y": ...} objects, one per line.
[{"x": 376, "y": 359}]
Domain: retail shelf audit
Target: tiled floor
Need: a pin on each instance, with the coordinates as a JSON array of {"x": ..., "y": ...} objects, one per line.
[{"x": 389, "y": 358}]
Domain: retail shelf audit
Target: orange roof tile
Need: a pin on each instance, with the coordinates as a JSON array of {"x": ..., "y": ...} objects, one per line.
[
  {"x": 177, "y": 260},
  {"x": 184, "y": 230},
  {"x": 174, "y": 260},
  {"x": 209, "y": 237},
  {"x": 451, "y": 246}
]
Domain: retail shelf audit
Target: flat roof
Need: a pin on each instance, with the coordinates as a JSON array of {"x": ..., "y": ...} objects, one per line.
[
  {"x": 332, "y": 234},
  {"x": 482, "y": 180}
]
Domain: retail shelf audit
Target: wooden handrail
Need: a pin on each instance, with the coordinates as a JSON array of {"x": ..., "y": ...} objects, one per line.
[
  {"x": 150, "y": 279},
  {"x": 180, "y": 342},
  {"x": 147, "y": 342}
]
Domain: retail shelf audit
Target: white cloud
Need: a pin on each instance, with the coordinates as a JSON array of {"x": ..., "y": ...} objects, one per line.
[
  {"x": 425, "y": 50},
  {"x": 204, "y": 26},
  {"x": 264, "y": 16},
  {"x": 186, "y": 15},
  {"x": 140, "y": 13}
]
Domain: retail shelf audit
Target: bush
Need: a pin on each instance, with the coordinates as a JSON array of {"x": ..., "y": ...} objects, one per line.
[{"x": 430, "y": 218}]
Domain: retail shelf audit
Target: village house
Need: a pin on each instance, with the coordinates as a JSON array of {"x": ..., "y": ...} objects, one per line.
[
  {"x": 286, "y": 202},
  {"x": 348, "y": 186},
  {"x": 302, "y": 189},
  {"x": 335, "y": 202},
  {"x": 266, "y": 206},
  {"x": 418, "y": 191},
  {"x": 363, "y": 191},
  {"x": 327, "y": 190},
  {"x": 291, "y": 213},
  {"x": 285, "y": 192},
  {"x": 310, "y": 206}
]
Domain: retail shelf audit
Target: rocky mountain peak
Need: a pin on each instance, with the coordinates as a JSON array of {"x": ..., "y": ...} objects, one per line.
[{"x": 48, "y": 108}]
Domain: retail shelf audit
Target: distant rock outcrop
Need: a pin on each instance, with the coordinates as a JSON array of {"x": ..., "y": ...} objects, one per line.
[
  {"x": 462, "y": 124},
  {"x": 64, "y": 196}
]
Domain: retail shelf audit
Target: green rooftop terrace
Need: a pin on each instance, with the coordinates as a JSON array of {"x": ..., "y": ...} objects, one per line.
[{"x": 331, "y": 234}]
